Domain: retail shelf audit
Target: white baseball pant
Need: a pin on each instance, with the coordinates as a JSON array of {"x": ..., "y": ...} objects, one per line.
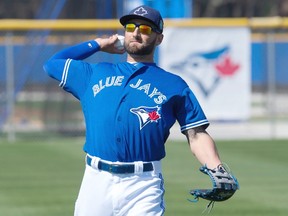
[{"x": 106, "y": 194}]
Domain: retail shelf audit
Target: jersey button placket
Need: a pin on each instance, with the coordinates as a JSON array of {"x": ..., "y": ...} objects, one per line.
[
  {"x": 118, "y": 138},
  {"x": 119, "y": 118}
]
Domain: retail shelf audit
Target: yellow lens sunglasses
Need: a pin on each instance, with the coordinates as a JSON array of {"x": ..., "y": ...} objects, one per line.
[{"x": 143, "y": 28}]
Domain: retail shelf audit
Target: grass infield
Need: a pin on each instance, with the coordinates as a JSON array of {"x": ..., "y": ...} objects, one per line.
[{"x": 42, "y": 177}]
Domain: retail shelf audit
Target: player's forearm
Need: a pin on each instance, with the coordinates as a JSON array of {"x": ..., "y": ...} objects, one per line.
[
  {"x": 204, "y": 149},
  {"x": 78, "y": 52},
  {"x": 56, "y": 64}
]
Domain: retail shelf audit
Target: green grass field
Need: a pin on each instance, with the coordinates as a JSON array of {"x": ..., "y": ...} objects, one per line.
[{"x": 42, "y": 177}]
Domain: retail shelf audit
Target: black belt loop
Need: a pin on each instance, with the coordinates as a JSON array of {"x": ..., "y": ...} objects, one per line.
[{"x": 120, "y": 168}]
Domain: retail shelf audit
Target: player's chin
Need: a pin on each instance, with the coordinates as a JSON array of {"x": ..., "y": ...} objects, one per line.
[
  {"x": 133, "y": 48},
  {"x": 139, "y": 50}
]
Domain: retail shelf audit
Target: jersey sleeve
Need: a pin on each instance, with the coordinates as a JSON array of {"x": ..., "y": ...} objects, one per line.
[
  {"x": 75, "y": 77},
  {"x": 72, "y": 74},
  {"x": 189, "y": 112}
]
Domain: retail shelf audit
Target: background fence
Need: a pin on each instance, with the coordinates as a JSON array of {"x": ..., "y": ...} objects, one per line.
[{"x": 30, "y": 101}]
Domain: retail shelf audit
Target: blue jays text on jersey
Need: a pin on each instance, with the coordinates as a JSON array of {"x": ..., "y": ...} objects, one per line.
[
  {"x": 117, "y": 81},
  {"x": 128, "y": 108}
]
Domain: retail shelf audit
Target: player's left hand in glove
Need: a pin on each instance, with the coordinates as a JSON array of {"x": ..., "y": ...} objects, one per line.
[{"x": 224, "y": 185}]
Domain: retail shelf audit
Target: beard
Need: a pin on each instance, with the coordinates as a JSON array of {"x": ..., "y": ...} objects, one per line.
[{"x": 146, "y": 49}]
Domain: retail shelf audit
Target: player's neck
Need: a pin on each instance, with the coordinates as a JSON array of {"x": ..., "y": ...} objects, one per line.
[{"x": 136, "y": 58}]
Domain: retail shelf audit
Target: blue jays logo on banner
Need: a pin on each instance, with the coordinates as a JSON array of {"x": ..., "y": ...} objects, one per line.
[{"x": 215, "y": 63}]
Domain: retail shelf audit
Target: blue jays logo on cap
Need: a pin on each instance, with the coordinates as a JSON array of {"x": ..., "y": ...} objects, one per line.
[
  {"x": 140, "y": 11},
  {"x": 146, "y": 114},
  {"x": 146, "y": 13}
]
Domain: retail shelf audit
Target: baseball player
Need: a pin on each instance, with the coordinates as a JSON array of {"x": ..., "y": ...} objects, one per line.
[{"x": 129, "y": 108}]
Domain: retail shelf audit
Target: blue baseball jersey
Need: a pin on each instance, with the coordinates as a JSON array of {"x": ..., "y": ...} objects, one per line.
[{"x": 128, "y": 108}]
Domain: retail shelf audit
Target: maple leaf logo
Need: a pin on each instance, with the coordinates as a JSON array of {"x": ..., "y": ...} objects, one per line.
[
  {"x": 227, "y": 67},
  {"x": 154, "y": 116},
  {"x": 140, "y": 11}
]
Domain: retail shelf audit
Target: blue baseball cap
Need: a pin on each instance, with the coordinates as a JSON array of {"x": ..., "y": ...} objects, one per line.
[{"x": 146, "y": 13}]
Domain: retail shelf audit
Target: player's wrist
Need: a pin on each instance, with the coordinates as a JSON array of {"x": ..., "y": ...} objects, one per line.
[{"x": 99, "y": 43}]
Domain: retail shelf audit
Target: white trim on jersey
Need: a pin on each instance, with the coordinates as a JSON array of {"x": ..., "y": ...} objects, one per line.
[
  {"x": 65, "y": 73},
  {"x": 193, "y": 125}
]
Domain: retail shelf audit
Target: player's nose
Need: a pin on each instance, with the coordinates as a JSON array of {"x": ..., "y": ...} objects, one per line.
[{"x": 136, "y": 32}]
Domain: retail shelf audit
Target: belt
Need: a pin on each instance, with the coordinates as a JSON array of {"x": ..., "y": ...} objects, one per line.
[{"x": 119, "y": 168}]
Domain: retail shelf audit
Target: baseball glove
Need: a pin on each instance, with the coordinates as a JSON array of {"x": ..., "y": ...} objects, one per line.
[{"x": 224, "y": 185}]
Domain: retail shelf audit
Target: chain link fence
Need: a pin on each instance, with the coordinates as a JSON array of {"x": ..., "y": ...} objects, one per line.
[{"x": 31, "y": 102}]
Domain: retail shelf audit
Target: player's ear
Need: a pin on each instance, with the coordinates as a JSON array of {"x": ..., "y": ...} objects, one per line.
[{"x": 159, "y": 39}]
